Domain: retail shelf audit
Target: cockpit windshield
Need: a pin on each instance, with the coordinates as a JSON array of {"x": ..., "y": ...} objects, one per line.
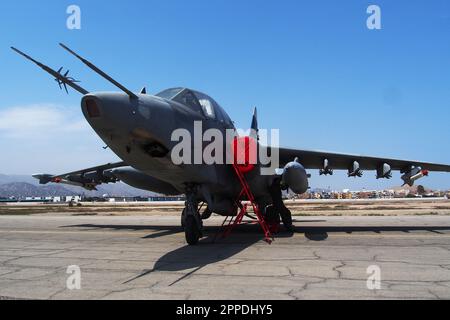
[
  {"x": 192, "y": 99},
  {"x": 198, "y": 102},
  {"x": 187, "y": 98},
  {"x": 207, "y": 104},
  {"x": 169, "y": 94}
]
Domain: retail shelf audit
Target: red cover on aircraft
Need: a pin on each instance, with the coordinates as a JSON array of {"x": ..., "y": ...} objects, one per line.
[{"x": 244, "y": 153}]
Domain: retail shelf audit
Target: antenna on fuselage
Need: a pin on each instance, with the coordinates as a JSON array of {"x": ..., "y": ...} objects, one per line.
[
  {"x": 100, "y": 72},
  {"x": 60, "y": 78}
]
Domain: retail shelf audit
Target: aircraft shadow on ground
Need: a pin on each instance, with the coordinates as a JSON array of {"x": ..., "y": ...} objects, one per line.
[
  {"x": 318, "y": 233},
  {"x": 213, "y": 248},
  {"x": 321, "y": 233},
  {"x": 249, "y": 233}
]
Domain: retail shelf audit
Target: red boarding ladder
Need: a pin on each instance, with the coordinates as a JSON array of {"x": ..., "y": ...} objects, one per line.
[{"x": 240, "y": 171}]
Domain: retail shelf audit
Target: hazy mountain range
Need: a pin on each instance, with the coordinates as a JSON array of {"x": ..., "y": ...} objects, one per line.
[{"x": 21, "y": 186}]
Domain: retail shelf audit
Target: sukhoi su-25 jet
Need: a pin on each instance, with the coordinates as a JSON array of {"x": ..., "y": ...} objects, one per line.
[{"x": 138, "y": 128}]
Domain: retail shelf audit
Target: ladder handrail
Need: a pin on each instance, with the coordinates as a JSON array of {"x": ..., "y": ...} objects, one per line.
[{"x": 247, "y": 191}]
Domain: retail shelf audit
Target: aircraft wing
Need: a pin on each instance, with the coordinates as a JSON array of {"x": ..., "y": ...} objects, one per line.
[
  {"x": 87, "y": 178},
  {"x": 326, "y": 162},
  {"x": 338, "y": 161}
]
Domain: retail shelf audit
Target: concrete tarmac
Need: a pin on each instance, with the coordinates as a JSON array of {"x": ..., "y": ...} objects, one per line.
[{"x": 138, "y": 257}]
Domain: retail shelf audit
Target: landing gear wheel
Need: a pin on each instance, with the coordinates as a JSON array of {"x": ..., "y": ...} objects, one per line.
[
  {"x": 193, "y": 224},
  {"x": 183, "y": 219},
  {"x": 191, "y": 230}
]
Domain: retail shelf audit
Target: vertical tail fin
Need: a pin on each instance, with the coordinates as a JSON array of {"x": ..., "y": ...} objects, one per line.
[{"x": 254, "y": 127}]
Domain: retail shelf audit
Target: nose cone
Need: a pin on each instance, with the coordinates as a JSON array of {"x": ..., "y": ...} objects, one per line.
[
  {"x": 106, "y": 111},
  {"x": 117, "y": 118}
]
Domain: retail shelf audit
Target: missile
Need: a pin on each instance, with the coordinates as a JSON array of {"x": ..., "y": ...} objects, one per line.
[
  {"x": 413, "y": 175},
  {"x": 57, "y": 180},
  {"x": 421, "y": 174}
]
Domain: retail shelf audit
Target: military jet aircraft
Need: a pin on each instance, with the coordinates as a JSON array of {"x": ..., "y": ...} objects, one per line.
[{"x": 138, "y": 126}]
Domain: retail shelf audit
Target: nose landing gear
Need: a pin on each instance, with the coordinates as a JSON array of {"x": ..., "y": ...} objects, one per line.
[{"x": 191, "y": 219}]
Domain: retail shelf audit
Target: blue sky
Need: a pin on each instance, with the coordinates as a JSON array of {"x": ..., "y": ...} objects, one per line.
[{"x": 312, "y": 68}]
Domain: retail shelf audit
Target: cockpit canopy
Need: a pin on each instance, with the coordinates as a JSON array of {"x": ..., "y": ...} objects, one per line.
[{"x": 198, "y": 102}]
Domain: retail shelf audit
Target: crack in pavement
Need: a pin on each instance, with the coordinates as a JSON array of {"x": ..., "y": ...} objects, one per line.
[{"x": 291, "y": 268}]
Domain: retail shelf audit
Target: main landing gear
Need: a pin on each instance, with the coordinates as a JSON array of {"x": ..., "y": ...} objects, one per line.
[
  {"x": 191, "y": 220},
  {"x": 279, "y": 206}
]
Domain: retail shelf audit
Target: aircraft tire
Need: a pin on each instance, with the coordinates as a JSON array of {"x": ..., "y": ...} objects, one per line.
[
  {"x": 183, "y": 219},
  {"x": 191, "y": 230}
]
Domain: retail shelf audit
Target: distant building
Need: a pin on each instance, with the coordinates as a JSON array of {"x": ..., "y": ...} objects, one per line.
[
  {"x": 36, "y": 199},
  {"x": 8, "y": 200},
  {"x": 167, "y": 198},
  {"x": 54, "y": 199},
  {"x": 71, "y": 199}
]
